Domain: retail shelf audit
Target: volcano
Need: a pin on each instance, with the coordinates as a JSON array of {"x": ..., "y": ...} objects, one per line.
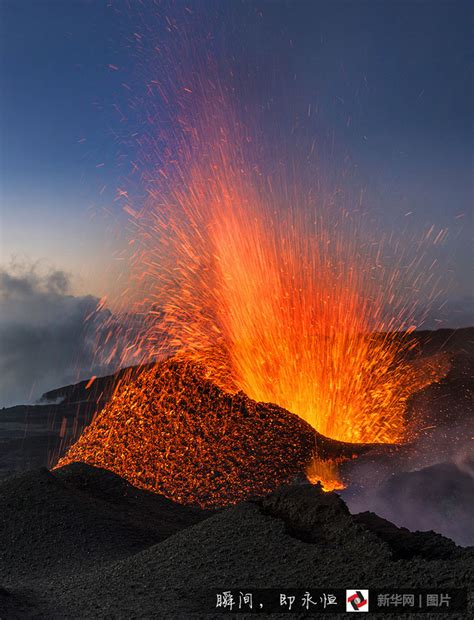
[
  {"x": 79, "y": 542},
  {"x": 172, "y": 431}
]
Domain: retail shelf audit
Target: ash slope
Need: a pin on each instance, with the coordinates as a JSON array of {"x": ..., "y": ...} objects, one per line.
[
  {"x": 132, "y": 554},
  {"x": 78, "y": 518}
]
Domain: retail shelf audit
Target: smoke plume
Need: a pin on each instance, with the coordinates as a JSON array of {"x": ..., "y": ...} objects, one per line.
[{"x": 45, "y": 340}]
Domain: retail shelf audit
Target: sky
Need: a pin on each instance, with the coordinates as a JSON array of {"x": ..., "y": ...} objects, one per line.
[
  {"x": 386, "y": 84},
  {"x": 399, "y": 70}
]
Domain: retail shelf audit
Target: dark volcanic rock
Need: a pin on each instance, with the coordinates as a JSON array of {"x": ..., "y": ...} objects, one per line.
[
  {"x": 13, "y": 607},
  {"x": 452, "y": 340},
  {"x": 34, "y": 436},
  {"x": 297, "y": 537},
  {"x": 82, "y": 543},
  {"x": 78, "y": 517},
  {"x": 405, "y": 544},
  {"x": 313, "y": 516}
]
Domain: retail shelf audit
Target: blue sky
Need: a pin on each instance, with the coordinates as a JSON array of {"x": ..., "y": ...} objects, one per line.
[
  {"x": 55, "y": 120},
  {"x": 390, "y": 82}
]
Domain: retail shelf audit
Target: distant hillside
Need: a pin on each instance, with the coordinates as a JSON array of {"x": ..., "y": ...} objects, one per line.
[
  {"x": 455, "y": 341},
  {"x": 95, "y": 390}
]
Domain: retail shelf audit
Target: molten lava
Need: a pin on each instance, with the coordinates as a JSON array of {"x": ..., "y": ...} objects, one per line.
[
  {"x": 294, "y": 306},
  {"x": 287, "y": 315},
  {"x": 326, "y": 473},
  {"x": 273, "y": 285},
  {"x": 172, "y": 431}
]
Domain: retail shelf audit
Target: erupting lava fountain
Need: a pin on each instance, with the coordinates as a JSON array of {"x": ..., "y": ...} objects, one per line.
[{"x": 267, "y": 286}]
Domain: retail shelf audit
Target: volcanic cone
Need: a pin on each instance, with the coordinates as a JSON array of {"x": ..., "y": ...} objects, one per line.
[{"x": 172, "y": 431}]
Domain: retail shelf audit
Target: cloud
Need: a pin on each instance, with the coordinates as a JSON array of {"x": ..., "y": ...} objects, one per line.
[
  {"x": 45, "y": 339},
  {"x": 426, "y": 485}
]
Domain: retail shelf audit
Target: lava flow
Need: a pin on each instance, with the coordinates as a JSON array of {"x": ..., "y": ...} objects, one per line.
[{"x": 273, "y": 287}]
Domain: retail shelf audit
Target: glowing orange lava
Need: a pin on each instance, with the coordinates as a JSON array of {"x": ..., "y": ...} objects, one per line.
[
  {"x": 275, "y": 286},
  {"x": 326, "y": 473},
  {"x": 285, "y": 298},
  {"x": 172, "y": 431}
]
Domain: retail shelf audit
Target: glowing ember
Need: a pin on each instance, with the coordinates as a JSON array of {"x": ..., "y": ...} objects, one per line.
[
  {"x": 326, "y": 473},
  {"x": 285, "y": 315},
  {"x": 291, "y": 303},
  {"x": 171, "y": 431},
  {"x": 272, "y": 286}
]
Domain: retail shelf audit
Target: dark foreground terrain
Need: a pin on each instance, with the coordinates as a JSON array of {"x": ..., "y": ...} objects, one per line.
[{"x": 82, "y": 543}]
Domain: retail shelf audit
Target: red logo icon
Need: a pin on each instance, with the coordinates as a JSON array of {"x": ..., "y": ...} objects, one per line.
[{"x": 357, "y": 600}]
